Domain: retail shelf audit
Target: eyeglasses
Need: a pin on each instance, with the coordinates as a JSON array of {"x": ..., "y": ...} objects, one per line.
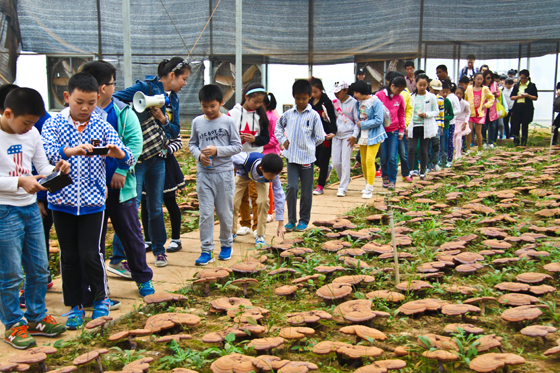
[
  {"x": 115, "y": 84},
  {"x": 180, "y": 65}
]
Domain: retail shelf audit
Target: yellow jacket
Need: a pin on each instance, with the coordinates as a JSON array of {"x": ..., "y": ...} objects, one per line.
[
  {"x": 486, "y": 97},
  {"x": 408, "y": 106}
]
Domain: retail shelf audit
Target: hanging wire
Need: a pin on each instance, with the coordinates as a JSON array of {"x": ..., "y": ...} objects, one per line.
[{"x": 199, "y": 36}]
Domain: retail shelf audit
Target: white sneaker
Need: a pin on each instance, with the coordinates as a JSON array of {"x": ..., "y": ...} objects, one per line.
[
  {"x": 260, "y": 241},
  {"x": 341, "y": 193},
  {"x": 368, "y": 192},
  {"x": 243, "y": 231},
  {"x": 492, "y": 146},
  {"x": 437, "y": 167},
  {"x": 255, "y": 233},
  {"x": 366, "y": 188},
  {"x": 269, "y": 218},
  {"x": 485, "y": 146}
]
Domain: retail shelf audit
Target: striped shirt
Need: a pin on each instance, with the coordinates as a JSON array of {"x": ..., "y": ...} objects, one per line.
[
  {"x": 440, "y": 118},
  {"x": 304, "y": 131}
]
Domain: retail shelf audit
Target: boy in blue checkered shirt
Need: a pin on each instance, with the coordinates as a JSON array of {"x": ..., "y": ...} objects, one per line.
[{"x": 78, "y": 209}]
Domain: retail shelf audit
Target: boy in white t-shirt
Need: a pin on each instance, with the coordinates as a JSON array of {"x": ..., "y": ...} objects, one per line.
[{"x": 22, "y": 240}]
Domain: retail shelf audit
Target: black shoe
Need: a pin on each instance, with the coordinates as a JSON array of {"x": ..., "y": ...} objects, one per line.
[
  {"x": 148, "y": 246},
  {"x": 174, "y": 246}
]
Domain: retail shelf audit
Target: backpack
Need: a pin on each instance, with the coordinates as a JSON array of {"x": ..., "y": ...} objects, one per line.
[{"x": 387, "y": 117}]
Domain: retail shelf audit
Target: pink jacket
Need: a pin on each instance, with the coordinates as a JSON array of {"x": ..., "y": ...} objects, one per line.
[
  {"x": 396, "y": 107},
  {"x": 493, "y": 113},
  {"x": 273, "y": 145}
]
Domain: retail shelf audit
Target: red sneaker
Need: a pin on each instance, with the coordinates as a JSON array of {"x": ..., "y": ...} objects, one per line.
[{"x": 378, "y": 173}]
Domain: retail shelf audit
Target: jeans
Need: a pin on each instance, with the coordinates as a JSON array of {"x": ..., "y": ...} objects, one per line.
[
  {"x": 388, "y": 155},
  {"x": 150, "y": 174},
  {"x": 323, "y": 154},
  {"x": 492, "y": 132},
  {"x": 22, "y": 243},
  {"x": 403, "y": 154},
  {"x": 444, "y": 146}
]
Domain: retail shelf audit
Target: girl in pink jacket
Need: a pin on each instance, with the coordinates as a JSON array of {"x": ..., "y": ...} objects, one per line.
[
  {"x": 392, "y": 100},
  {"x": 269, "y": 105}
]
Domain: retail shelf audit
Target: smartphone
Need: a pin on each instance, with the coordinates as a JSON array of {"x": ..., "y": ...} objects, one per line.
[
  {"x": 55, "y": 181},
  {"x": 101, "y": 150}
]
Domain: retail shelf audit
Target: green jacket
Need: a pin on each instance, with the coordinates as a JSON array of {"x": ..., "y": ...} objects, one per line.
[{"x": 130, "y": 134}]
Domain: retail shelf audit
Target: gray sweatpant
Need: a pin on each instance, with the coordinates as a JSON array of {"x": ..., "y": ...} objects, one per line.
[
  {"x": 297, "y": 173},
  {"x": 215, "y": 190}
]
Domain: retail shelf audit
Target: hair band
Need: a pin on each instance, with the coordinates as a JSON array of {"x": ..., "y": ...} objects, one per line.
[
  {"x": 255, "y": 90},
  {"x": 180, "y": 65}
]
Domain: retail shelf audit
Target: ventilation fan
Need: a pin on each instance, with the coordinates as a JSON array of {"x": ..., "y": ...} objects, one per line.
[
  {"x": 60, "y": 70},
  {"x": 225, "y": 78}
]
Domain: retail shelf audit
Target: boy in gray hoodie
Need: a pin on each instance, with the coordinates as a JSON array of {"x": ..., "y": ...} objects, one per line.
[{"x": 214, "y": 139}]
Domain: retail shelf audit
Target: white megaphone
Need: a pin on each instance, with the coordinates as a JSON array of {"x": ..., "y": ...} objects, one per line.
[{"x": 141, "y": 102}]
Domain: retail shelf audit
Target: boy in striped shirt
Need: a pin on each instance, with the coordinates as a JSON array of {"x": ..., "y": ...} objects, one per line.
[{"x": 300, "y": 131}]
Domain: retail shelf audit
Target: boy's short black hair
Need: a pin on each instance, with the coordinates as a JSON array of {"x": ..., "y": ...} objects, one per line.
[
  {"x": 509, "y": 81},
  {"x": 301, "y": 86},
  {"x": 464, "y": 79},
  {"x": 210, "y": 92},
  {"x": 442, "y": 67},
  {"x": 362, "y": 87},
  {"x": 102, "y": 71},
  {"x": 4, "y": 90},
  {"x": 471, "y": 57},
  {"x": 408, "y": 63},
  {"x": 25, "y": 101},
  {"x": 83, "y": 82},
  {"x": 272, "y": 163}
]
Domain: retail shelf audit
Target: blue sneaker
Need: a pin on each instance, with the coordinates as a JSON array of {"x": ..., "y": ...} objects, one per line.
[
  {"x": 101, "y": 308},
  {"x": 76, "y": 317},
  {"x": 301, "y": 226},
  {"x": 225, "y": 253},
  {"x": 260, "y": 241},
  {"x": 145, "y": 288},
  {"x": 290, "y": 227},
  {"x": 234, "y": 236},
  {"x": 205, "y": 258}
]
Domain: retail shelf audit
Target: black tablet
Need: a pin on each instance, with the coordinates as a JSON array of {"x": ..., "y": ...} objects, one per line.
[
  {"x": 101, "y": 150},
  {"x": 55, "y": 181}
]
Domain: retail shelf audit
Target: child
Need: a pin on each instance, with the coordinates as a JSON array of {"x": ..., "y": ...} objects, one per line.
[
  {"x": 506, "y": 91},
  {"x": 462, "y": 127},
  {"x": 319, "y": 102},
  {"x": 273, "y": 146},
  {"x": 41, "y": 195},
  {"x": 22, "y": 238},
  {"x": 214, "y": 139},
  {"x": 347, "y": 116},
  {"x": 490, "y": 126},
  {"x": 121, "y": 182},
  {"x": 448, "y": 128},
  {"x": 372, "y": 134},
  {"x": 423, "y": 126},
  {"x": 78, "y": 209},
  {"x": 392, "y": 99},
  {"x": 480, "y": 98},
  {"x": 263, "y": 170},
  {"x": 464, "y": 82},
  {"x": 300, "y": 131},
  {"x": 452, "y": 97},
  {"x": 252, "y": 124},
  {"x": 435, "y": 88}
]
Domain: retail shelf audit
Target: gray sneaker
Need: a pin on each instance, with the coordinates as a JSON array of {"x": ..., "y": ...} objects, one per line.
[
  {"x": 120, "y": 269},
  {"x": 161, "y": 260}
]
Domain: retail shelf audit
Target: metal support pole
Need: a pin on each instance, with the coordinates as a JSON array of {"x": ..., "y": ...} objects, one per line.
[
  {"x": 519, "y": 59},
  {"x": 553, "y": 96},
  {"x": 310, "y": 39},
  {"x": 99, "y": 41},
  {"x": 393, "y": 242},
  {"x": 529, "y": 57},
  {"x": 127, "y": 50},
  {"x": 425, "y": 57},
  {"x": 238, "y": 50}
]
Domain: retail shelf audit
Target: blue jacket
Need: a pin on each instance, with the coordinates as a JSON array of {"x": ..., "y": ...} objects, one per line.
[
  {"x": 374, "y": 122},
  {"x": 86, "y": 195},
  {"x": 173, "y": 127}
]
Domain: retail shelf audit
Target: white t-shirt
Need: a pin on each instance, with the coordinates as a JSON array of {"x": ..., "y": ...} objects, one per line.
[{"x": 17, "y": 154}]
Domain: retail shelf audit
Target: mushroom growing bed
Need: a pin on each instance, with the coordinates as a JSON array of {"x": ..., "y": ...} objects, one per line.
[{"x": 478, "y": 268}]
